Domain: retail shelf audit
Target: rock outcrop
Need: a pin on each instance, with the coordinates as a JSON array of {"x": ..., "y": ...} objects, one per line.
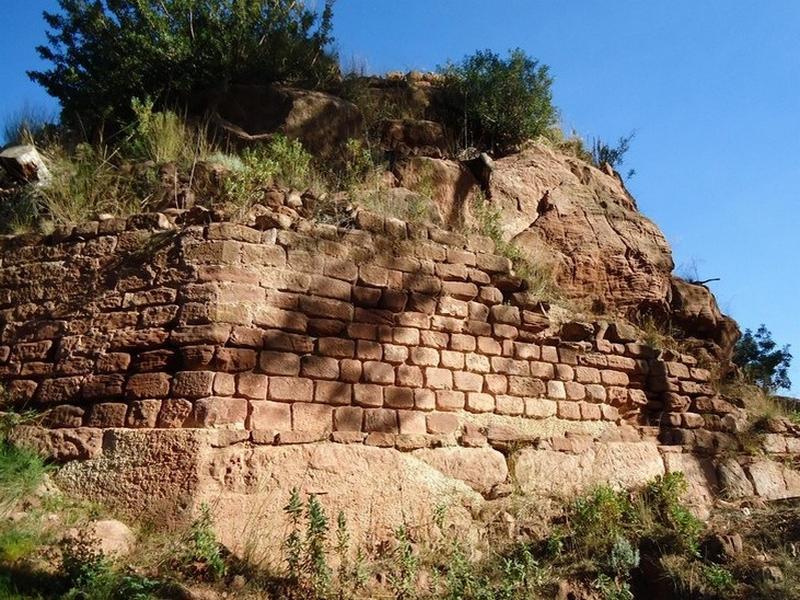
[
  {"x": 253, "y": 113},
  {"x": 562, "y": 209}
]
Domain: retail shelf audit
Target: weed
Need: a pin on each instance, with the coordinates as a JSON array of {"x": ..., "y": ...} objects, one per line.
[
  {"x": 21, "y": 472},
  {"x": 403, "y": 578},
  {"x": 612, "y": 589},
  {"x": 719, "y": 579},
  {"x": 18, "y": 540},
  {"x": 596, "y": 520},
  {"x": 663, "y": 496},
  {"x": 200, "y": 549},
  {"x": 623, "y": 557},
  {"x": 88, "y": 183},
  {"x": 280, "y": 162},
  {"x": 315, "y": 564},
  {"x": 293, "y": 545}
]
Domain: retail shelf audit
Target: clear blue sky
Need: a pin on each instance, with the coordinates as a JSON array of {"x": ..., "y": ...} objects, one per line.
[{"x": 712, "y": 89}]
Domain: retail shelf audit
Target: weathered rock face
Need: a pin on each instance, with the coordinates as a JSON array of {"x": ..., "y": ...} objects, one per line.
[
  {"x": 451, "y": 184},
  {"x": 604, "y": 249},
  {"x": 695, "y": 310},
  {"x": 322, "y": 122}
]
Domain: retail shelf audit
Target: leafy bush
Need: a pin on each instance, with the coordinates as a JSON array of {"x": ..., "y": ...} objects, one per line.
[
  {"x": 104, "y": 53},
  {"x": 281, "y": 161},
  {"x": 719, "y": 579},
  {"x": 762, "y": 362},
  {"x": 501, "y": 101},
  {"x": 200, "y": 547}
]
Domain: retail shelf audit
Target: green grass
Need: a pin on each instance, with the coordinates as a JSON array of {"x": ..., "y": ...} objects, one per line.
[{"x": 21, "y": 472}]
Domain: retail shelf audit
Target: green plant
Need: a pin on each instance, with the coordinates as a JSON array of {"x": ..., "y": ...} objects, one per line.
[
  {"x": 762, "y": 361},
  {"x": 82, "y": 563},
  {"x": 18, "y": 540},
  {"x": 623, "y": 557},
  {"x": 282, "y": 161},
  {"x": 164, "y": 136},
  {"x": 104, "y": 53},
  {"x": 293, "y": 545},
  {"x": 664, "y": 496},
  {"x": 403, "y": 578},
  {"x": 719, "y": 579},
  {"x": 21, "y": 472},
  {"x": 596, "y": 521},
  {"x": 500, "y": 102},
  {"x": 603, "y": 153},
  {"x": 612, "y": 589},
  {"x": 88, "y": 183},
  {"x": 200, "y": 548},
  {"x": 315, "y": 565}
]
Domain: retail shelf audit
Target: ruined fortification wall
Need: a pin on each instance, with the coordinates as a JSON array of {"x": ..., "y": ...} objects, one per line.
[{"x": 382, "y": 333}]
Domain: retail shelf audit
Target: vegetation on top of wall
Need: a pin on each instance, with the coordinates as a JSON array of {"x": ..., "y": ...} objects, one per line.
[
  {"x": 102, "y": 54},
  {"x": 500, "y": 102}
]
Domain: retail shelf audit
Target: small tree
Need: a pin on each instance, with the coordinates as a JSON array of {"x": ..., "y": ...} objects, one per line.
[
  {"x": 762, "y": 361},
  {"x": 105, "y": 52},
  {"x": 603, "y": 153},
  {"x": 504, "y": 101}
]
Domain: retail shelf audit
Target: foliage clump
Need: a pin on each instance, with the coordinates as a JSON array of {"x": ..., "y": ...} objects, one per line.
[
  {"x": 501, "y": 102},
  {"x": 104, "y": 53},
  {"x": 762, "y": 361}
]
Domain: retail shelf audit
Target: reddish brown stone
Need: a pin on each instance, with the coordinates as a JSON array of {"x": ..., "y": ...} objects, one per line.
[
  {"x": 291, "y": 389},
  {"x": 214, "y": 412},
  {"x": 174, "y": 413},
  {"x": 107, "y": 414},
  {"x": 269, "y": 416},
  {"x": 147, "y": 385},
  {"x": 143, "y": 413},
  {"x": 252, "y": 385}
]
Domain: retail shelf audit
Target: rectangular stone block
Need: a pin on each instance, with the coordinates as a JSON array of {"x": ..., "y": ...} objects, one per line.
[
  {"x": 378, "y": 372},
  {"x": 319, "y": 367},
  {"x": 252, "y": 386},
  {"x": 147, "y": 385},
  {"x": 291, "y": 389},
  {"x": 438, "y": 379},
  {"x": 380, "y": 420},
  {"x": 480, "y": 402},
  {"x": 312, "y": 418},
  {"x": 539, "y": 408},
  {"x": 569, "y": 410},
  {"x": 348, "y": 418},
  {"x": 398, "y": 397},
  {"x": 107, "y": 415},
  {"x": 216, "y": 412},
  {"x": 467, "y": 382},
  {"x": 193, "y": 384},
  {"x": 368, "y": 395},
  {"x": 333, "y": 392},
  {"x": 448, "y": 400},
  {"x": 269, "y": 416},
  {"x": 442, "y": 423},
  {"x": 279, "y": 363}
]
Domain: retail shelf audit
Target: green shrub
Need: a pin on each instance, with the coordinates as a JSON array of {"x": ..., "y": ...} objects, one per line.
[
  {"x": 405, "y": 566},
  {"x": 280, "y": 162},
  {"x": 200, "y": 547},
  {"x": 597, "y": 520},
  {"x": 663, "y": 496},
  {"x": 501, "y": 102},
  {"x": 104, "y": 53},
  {"x": 718, "y": 579}
]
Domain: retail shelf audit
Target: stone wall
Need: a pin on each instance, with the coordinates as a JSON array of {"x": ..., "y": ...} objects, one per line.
[{"x": 383, "y": 333}]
